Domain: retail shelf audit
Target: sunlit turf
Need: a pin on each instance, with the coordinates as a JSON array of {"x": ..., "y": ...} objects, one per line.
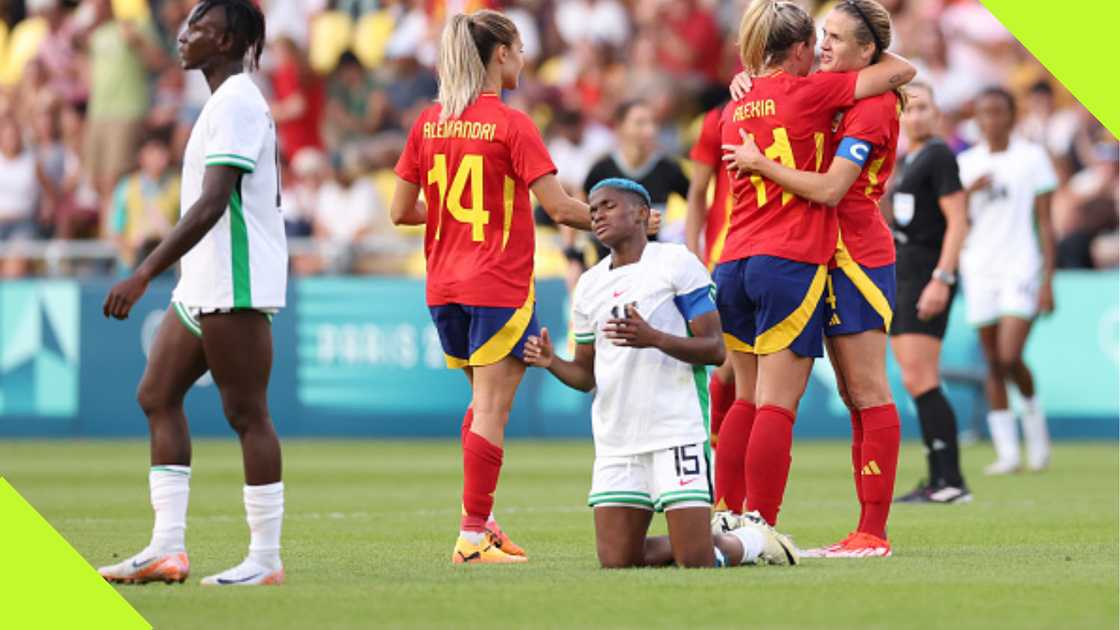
[{"x": 370, "y": 525}]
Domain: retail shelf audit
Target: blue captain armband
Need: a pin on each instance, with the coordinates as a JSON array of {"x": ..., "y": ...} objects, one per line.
[
  {"x": 855, "y": 150},
  {"x": 696, "y": 303}
]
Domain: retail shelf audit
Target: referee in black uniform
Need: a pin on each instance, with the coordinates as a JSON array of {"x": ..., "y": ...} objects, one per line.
[{"x": 930, "y": 221}]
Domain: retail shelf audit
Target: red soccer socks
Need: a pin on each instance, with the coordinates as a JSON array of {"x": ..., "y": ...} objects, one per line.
[
  {"x": 768, "y": 460},
  {"x": 731, "y": 452},
  {"x": 482, "y": 463},
  {"x": 878, "y": 461}
]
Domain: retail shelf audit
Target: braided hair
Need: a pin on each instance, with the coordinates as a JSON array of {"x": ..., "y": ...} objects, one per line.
[{"x": 244, "y": 23}]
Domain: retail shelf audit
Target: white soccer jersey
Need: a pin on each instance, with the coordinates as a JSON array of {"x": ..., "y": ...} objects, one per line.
[
  {"x": 1002, "y": 240},
  {"x": 645, "y": 400},
  {"x": 242, "y": 262}
]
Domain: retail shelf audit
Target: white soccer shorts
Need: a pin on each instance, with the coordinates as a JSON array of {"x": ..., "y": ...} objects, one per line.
[
  {"x": 988, "y": 297},
  {"x": 667, "y": 479}
]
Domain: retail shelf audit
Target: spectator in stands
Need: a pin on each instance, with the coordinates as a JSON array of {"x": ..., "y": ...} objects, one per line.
[
  {"x": 412, "y": 86},
  {"x": 78, "y": 213},
  {"x": 639, "y": 158},
  {"x": 348, "y": 211},
  {"x": 596, "y": 21},
  {"x": 356, "y": 105},
  {"x": 121, "y": 55},
  {"x": 50, "y": 156},
  {"x": 1045, "y": 124},
  {"x": 299, "y": 99},
  {"x": 60, "y": 59},
  {"x": 19, "y": 193},
  {"x": 145, "y": 204}
]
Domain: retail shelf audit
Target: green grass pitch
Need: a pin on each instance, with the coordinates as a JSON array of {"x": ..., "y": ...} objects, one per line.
[{"x": 370, "y": 525}]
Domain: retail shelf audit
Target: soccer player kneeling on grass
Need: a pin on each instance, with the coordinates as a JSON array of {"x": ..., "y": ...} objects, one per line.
[{"x": 646, "y": 324}]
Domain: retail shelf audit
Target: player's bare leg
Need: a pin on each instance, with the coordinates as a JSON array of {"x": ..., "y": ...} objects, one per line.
[
  {"x": 175, "y": 362},
  {"x": 1011, "y": 342},
  {"x": 1001, "y": 420},
  {"x": 493, "y": 388},
  {"x": 238, "y": 349},
  {"x": 919, "y": 359},
  {"x": 620, "y": 539}
]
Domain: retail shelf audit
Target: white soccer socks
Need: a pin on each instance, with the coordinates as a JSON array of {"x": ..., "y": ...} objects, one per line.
[
  {"x": 170, "y": 488},
  {"x": 1035, "y": 434},
  {"x": 264, "y": 511},
  {"x": 753, "y": 540},
  {"x": 1005, "y": 439}
]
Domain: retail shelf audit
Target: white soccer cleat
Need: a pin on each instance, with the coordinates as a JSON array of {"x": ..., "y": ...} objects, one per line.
[
  {"x": 148, "y": 566},
  {"x": 724, "y": 521},
  {"x": 248, "y": 573},
  {"x": 1002, "y": 467},
  {"x": 778, "y": 548}
]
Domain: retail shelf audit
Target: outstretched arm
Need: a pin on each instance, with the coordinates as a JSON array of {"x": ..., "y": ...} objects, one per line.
[
  {"x": 1049, "y": 251},
  {"x": 827, "y": 188},
  {"x": 560, "y": 206},
  {"x": 579, "y": 373},
  {"x": 217, "y": 184}
]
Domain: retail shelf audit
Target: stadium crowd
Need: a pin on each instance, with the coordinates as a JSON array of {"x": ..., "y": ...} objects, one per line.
[{"x": 95, "y": 112}]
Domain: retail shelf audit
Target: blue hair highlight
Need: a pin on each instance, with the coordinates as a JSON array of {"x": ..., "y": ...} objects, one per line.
[{"x": 621, "y": 183}]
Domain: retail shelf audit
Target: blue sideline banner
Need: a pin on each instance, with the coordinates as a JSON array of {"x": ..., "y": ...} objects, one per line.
[{"x": 358, "y": 356}]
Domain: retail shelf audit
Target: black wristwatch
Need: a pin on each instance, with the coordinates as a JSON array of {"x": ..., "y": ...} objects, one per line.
[{"x": 947, "y": 277}]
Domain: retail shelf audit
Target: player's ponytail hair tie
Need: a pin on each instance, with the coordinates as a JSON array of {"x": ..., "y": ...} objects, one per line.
[
  {"x": 629, "y": 185},
  {"x": 466, "y": 47}
]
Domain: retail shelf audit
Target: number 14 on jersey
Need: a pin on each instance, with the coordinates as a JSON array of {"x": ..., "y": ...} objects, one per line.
[{"x": 468, "y": 179}]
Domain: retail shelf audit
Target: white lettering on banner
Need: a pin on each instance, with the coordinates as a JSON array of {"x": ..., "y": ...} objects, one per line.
[{"x": 368, "y": 344}]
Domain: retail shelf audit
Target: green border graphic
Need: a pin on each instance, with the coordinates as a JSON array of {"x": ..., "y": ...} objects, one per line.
[
  {"x": 45, "y": 582},
  {"x": 1075, "y": 41}
]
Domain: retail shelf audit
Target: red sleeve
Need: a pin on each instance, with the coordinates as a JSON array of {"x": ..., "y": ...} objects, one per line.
[
  {"x": 408, "y": 165},
  {"x": 285, "y": 82},
  {"x": 869, "y": 120},
  {"x": 831, "y": 91},
  {"x": 707, "y": 147},
  {"x": 530, "y": 158}
]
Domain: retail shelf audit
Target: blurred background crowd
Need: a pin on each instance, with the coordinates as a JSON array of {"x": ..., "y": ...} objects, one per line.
[{"x": 95, "y": 112}]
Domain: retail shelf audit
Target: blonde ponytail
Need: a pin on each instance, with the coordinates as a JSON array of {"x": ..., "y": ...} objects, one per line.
[
  {"x": 466, "y": 46},
  {"x": 767, "y": 31}
]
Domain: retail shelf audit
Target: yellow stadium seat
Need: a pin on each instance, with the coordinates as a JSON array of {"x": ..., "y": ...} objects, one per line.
[
  {"x": 23, "y": 45},
  {"x": 551, "y": 70},
  {"x": 137, "y": 10},
  {"x": 330, "y": 35},
  {"x": 370, "y": 36}
]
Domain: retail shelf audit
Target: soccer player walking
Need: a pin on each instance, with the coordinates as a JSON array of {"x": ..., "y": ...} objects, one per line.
[
  {"x": 930, "y": 223},
  {"x": 476, "y": 161},
  {"x": 1008, "y": 267},
  {"x": 773, "y": 272},
  {"x": 234, "y": 260},
  {"x": 860, "y": 286},
  {"x": 645, "y": 325}
]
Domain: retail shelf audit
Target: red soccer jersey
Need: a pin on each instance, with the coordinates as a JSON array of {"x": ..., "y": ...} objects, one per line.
[
  {"x": 790, "y": 119},
  {"x": 862, "y": 226},
  {"x": 475, "y": 172},
  {"x": 707, "y": 151}
]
